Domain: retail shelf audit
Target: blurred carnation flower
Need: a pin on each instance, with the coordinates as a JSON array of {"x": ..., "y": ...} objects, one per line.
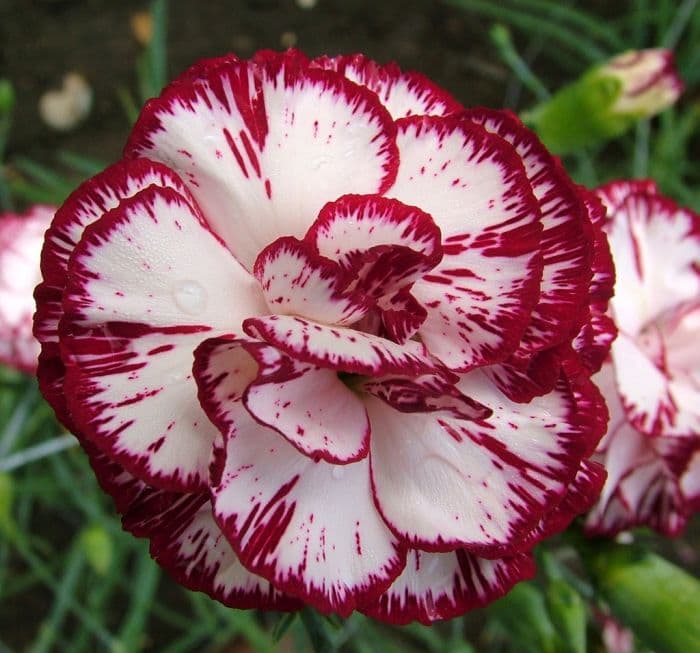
[
  {"x": 389, "y": 305},
  {"x": 607, "y": 100},
  {"x": 652, "y": 380},
  {"x": 21, "y": 238}
]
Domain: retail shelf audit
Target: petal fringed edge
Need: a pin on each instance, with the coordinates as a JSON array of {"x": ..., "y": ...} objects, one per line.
[
  {"x": 310, "y": 528},
  {"x": 311, "y": 407},
  {"x": 298, "y": 281},
  {"x": 656, "y": 248},
  {"x": 442, "y": 483},
  {"x": 247, "y": 137},
  {"x": 436, "y": 586},
  {"x": 479, "y": 298},
  {"x": 402, "y": 93},
  {"x": 128, "y": 347},
  {"x": 339, "y": 348},
  {"x": 566, "y": 241},
  {"x": 90, "y": 201},
  {"x": 185, "y": 539}
]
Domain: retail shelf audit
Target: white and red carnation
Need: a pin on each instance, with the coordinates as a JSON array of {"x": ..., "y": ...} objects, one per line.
[
  {"x": 652, "y": 380},
  {"x": 21, "y": 239},
  {"x": 327, "y": 338}
]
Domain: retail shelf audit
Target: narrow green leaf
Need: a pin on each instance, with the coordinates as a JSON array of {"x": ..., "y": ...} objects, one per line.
[
  {"x": 657, "y": 600},
  {"x": 568, "y": 613},
  {"x": 524, "y": 616}
]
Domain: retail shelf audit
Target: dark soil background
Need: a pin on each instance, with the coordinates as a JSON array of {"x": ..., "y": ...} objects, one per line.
[{"x": 40, "y": 40}]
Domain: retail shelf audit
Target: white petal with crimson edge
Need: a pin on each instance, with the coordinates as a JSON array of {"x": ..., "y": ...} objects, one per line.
[
  {"x": 436, "y": 586},
  {"x": 309, "y": 406},
  {"x": 147, "y": 282},
  {"x": 339, "y": 348},
  {"x": 443, "y": 483},
  {"x": 656, "y": 249},
  {"x": 90, "y": 201},
  {"x": 264, "y": 146},
  {"x": 565, "y": 242},
  {"x": 480, "y": 296},
  {"x": 298, "y": 281},
  {"x": 310, "y": 528},
  {"x": 402, "y": 93}
]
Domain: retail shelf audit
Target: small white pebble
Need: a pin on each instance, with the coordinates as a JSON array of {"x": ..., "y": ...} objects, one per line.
[
  {"x": 64, "y": 108},
  {"x": 288, "y": 39},
  {"x": 306, "y": 4}
]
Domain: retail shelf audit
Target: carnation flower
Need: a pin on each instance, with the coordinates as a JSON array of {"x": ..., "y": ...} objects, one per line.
[
  {"x": 326, "y": 336},
  {"x": 652, "y": 380},
  {"x": 21, "y": 238}
]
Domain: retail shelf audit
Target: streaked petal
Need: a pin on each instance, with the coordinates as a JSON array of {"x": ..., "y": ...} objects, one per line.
[
  {"x": 566, "y": 236},
  {"x": 185, "y": 539},
  {"x": 128, "y": 346},
  {"x": 297, "y": 281},
  {"x": 436, "y": 586},
  {"x": 656, "y": 248},
  {"x": 91, "y": 200},
  {"x": 263, "y": 145},
  {"x": 443, "y": 483},
  {"x": 311, "y": 528},
  {"x": 402, "y": 93},
  {"x": 309, "y": 406},
  {"x": 339, "y": 348},
  {"x": 480, "y": 297}
]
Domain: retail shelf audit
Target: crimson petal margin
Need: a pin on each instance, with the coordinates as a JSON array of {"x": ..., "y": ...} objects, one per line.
[
  {"x": 310, "y": 528},
  {"x": 402, "y": 93},
  {"x": 185, "y": 539},
  {"x": 339, "y": 348},
  {"x": 248, "y": 137},
  {"x": 128, "y": 346},
  {"x": 311, "y": 407},
  {"x": 479, "y": 298},
  {"x": 298, "y": 281},
  {"x": 92, "y": 199},
  {"x": 656, "y": 248},
  {"x": 566, "y": 237},
  {"x": 443, "y": 483},
  {"x": 438, "y": 586}
]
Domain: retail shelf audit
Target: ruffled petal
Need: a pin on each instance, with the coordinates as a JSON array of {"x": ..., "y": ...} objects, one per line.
[
  {"x": 656, "y": 247},
  {"x": 263, "y": 145},
  {"x": 90, "y": 201},
  {"x": 298, "y": 281},
  {"x": 480, "y": 297},
  {"x": 643, "y": 386},
  {"x": 21, "y": 237},
  {"x": 436, "y": 586},
  {"x": 339, "y": 348},
  {"x": 311, "y": 407},
  {"x": 566, "y": 237},
  {"x": 310, "y": 528},
  {"x": 354, "y": 224},
  {"x": 128, "y": 346},
  {"x": 185, "y": 539},
  {"x": 442, "y": 483},
  {"x": 402, "y": 93}
]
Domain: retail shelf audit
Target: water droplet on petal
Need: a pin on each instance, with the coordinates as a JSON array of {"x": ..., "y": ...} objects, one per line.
[
  {"x": 337, "y": 472},
  {"x": 190, "y": 297}
]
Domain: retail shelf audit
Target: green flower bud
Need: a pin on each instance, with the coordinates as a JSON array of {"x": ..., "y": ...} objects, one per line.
[{"x": 607, "y": 100}]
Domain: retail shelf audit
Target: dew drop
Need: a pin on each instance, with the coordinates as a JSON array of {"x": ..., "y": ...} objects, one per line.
[
  {"x": 320, "y": 162},
  {"x": 337, "y": 472},
  {"x": 190, "y": 297}
]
